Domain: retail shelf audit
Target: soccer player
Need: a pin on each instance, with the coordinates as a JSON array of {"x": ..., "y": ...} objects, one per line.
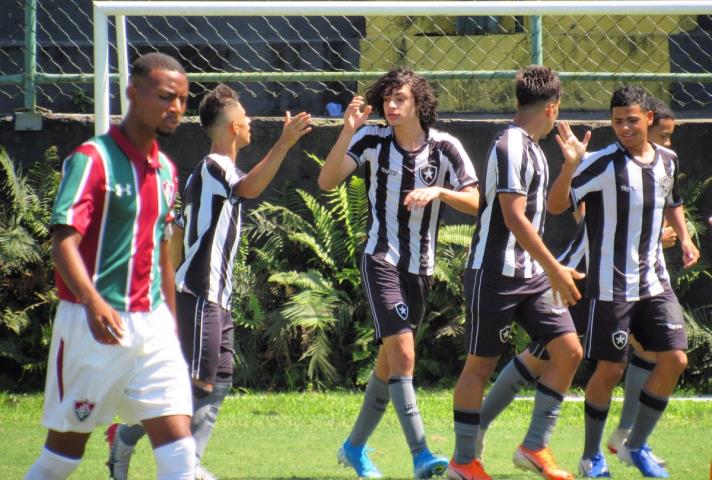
[
  {"x": 641, "y": 363},
  {"x": 510, "y": 273},
  {"x": 410, "y": 168},
  {"x": 629, "y": 188},
  {"x": 211, "y": 218},
  {"x": 113, "y": 347}
]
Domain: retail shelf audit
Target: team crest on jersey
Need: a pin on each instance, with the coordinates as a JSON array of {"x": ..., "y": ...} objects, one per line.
[
  {"x": 402, "y": 310},
  {"x": 169, "y": 192},
  {"x": 665, "y": 186},
  {"x": 620, "y": 339},
  {"x": 428, "y": 173},
  {"x": 82, "y": 409},
  {"x": 505, "y": 334}
]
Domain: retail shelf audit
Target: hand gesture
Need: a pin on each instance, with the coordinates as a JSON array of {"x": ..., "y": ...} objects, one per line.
[
  {"x": 356, "y": 113},
  {"x": 420, "y": 197},
  {"x": 572, "y": 149},
  {"x": 690, "y": 254},
  {"x": 669, "y": 237},
  {"x": 104, "y": 322},
  {"x": 563, "y": 287},
  {"x": 295, "y": 128}
]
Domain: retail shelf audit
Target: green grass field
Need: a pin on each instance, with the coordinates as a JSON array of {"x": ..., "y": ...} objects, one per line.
[{"x": 295, "y": 436}]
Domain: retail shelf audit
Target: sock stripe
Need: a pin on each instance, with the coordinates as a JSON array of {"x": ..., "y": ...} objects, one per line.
[
  {"x": 400, "y": 380},
  {"x": 470, "y": 418},
  {"x": 641, "y": 363},
  {"x": 522, "y": 369},
  {"x": 653, "y": 402},
  {"x": 595, "y": 412},
  {"x": 548, "y": 391}
]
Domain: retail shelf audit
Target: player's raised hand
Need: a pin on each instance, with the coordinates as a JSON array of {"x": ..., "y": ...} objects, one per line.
[
  {"x": 295, "y": 127},
  {"x": 104, "y": 322},
  {"x": 356, "y": 113},
  {"x": 421, "y": 197},
  {"x": 572, "y": 148}
]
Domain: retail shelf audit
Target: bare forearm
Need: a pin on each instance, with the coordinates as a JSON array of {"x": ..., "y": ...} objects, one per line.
[
  {"x": 558, "y": 198},
  {"x": 676, "y": 218},
  {"x": 465, "y": 201},
  {"x": 69, "y": 264},
  {"x": 332, "y": 171},
  {"x": 262, "y": 174},
  {"x": 168, "y": 284}
]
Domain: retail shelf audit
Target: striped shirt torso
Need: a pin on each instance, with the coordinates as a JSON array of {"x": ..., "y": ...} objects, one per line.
[
  {"x": 625, "y": 201},
  {"x": 120, "y": 202},
  {"x": 574, "y": 254},
  {"x": 406, "y": 239},
  {"x": 515, "y": 164},
  {"x": 211, "y": 217}
]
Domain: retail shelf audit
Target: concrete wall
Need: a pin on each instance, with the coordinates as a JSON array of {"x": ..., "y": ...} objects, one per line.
[{"x": 692, "y": 140}]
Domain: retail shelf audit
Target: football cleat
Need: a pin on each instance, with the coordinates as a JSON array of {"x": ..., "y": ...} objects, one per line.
[
  {"x": 119, "y": 453},
  {"x": 594, "y": 467},
  {"x": 541, "y": 462},
  {"x": 642, "y": 459},
  {"x": 471, "y": 471},
  {"x": 427, "y": 465},
  {"x": 357, "y": 458}
]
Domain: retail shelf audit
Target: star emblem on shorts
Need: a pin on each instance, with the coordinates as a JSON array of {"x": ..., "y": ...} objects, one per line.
[
  {"x": 402, "y": 310},
  {"x": 620, "y": 339}
]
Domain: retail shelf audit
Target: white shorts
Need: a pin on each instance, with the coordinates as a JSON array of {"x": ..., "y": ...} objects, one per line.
[{"x": 88, "y": 382}]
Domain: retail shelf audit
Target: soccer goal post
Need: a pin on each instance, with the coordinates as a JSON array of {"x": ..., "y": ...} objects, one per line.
[{"x": 535, "y": 10}]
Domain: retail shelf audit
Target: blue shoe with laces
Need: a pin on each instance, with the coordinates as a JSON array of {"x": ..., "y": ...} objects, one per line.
[
  {"x": 594, "y": 467},
  {"x": 427, "y": 465},
  {"x": 357, "y": 458},
  {"x": 644, "y": 460}
]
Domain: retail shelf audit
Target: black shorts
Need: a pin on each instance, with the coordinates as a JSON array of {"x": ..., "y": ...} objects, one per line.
[
  {"x": 657, "y": 323},
  {"x": 494, "y": 300},
  {"x": 397, "y": 299},
  {"x": 206, "y": 333},
  {"x": 579, "y": 314}
]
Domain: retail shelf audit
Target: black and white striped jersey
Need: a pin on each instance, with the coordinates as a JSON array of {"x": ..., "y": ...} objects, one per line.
[
  {"x": 625, "y": 200},
  {"x": 211, "y": 218},
  {"x": 405, "y": 238},
  {"x": 573, "y": 255},
  {"x": 515, "y": 164}
]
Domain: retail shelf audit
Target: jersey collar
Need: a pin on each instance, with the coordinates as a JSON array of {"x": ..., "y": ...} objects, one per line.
[{"x": 131, "y": 152}]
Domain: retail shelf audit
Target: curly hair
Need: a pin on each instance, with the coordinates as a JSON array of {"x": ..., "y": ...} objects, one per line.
[
  {"x": 628, "y": 96},
  {"x": 425, "y": 100},
  {"x": 536, "y": 84},
  {"x": 214, "y": 103}
]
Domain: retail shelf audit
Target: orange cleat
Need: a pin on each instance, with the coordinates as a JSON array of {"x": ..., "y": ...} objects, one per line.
[
  {"x": 540, "y": 461},
  {"x": 470, "y": 471}
]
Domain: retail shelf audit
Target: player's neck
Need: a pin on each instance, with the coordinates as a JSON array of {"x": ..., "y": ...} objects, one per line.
[
  {"x": 140, "y": 137},
  {"x": 532, "y": 124},
  {"x": 226, "y": 148},
  {"x": 644, "y": 153},
  {"x": 410, "y": 137}
]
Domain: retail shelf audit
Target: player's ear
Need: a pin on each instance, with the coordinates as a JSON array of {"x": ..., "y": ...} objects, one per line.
[
  {"x": 649, "y": 115},
  {"x": 131, "y": 92}
]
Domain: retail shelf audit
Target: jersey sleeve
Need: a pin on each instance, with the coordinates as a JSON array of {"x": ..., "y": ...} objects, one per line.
[
  {"x": 222, "y": 180},
  {"x": 80, "y": 190},
  {"x": 674, "y": 199},
  {"x": 360, "y": 147},
  {"x": 461, "y": 172},
  {"x": 587, "y": 178},
  {"x": 511, "y": 166}
]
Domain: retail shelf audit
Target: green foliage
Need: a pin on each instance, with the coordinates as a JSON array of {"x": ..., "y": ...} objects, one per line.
[{"x": 27, "y": 296}]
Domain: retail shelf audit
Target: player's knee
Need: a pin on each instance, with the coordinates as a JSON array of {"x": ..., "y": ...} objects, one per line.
[
  {"x": 480, "y": 368},
  {"x": 176, "y": 460},
  {"x": 609, "y": 373},
  {"x": 673, "y": 362}
]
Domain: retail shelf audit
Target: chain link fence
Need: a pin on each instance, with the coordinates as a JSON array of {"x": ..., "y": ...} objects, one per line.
[{"x": 309, "y": 62}]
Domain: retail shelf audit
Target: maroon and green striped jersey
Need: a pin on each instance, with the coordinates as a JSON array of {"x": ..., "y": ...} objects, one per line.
[{"x": 120, "y": 201}]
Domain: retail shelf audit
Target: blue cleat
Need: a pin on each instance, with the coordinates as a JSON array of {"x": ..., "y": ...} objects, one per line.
[
  {"x": 644, "y": 460},
  {"x": 357, "y": 458},
  {"x": 594, "y": 467},
  {"x": 427, "y": 465}
]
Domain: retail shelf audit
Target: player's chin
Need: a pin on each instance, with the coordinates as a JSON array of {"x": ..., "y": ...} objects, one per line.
[{"x": 166, "y": 131}]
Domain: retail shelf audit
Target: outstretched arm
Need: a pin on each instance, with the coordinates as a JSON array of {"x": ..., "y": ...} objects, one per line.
[
  {"x": 261, "y": 174},
  {"x": 338, "y": 165},
  {"x": 466, "y": 200},
  {"x": 561, "y": 278},
  {"x": 573, "y": 150}
]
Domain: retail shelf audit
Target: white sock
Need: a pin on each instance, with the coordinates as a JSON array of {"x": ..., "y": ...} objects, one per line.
[
  {"x": 51, "y": 466},
  {"x": 176, "y": 461}
]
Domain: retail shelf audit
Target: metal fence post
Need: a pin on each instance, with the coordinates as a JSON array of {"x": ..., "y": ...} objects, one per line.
[
  {"x": 29, "y": 119},
  {"x": 537, "y": 46}
]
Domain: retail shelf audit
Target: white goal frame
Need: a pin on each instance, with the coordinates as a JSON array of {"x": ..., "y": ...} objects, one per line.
[{"x": 120, "y": 9}]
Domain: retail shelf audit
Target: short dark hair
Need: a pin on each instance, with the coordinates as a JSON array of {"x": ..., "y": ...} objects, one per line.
[
  {"x": 628, "y": 96},
  {"x": 213, "y": 104},
  {"x": 536, "y": 84},
  {"x": 423, "y": 94},
  {"x": 145, "y": 64},
  {"x": 660, "y": 109}
]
